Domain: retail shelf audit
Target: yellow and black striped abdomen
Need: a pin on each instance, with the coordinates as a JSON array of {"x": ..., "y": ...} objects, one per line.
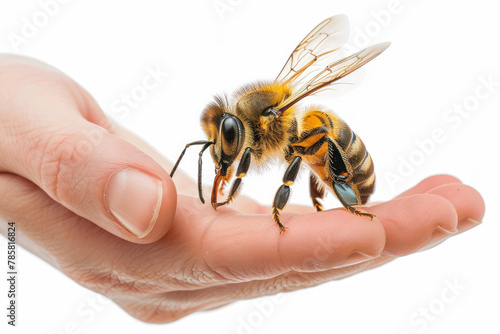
[
  {"x": 362, "y": 167},
  {"x": 315, "y": 130}
]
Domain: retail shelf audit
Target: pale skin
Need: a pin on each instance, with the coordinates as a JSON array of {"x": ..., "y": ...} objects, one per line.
[{"x": 191, "y": 257}]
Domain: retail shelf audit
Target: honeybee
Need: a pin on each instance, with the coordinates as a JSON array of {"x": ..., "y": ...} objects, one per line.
[{"x": 263, "y": 121}]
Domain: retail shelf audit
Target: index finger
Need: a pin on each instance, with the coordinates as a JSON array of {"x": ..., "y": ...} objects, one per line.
[{"x": 241, "y": 247}]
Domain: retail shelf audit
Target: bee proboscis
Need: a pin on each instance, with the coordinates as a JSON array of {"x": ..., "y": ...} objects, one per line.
[{"x": 263, "y": 121}]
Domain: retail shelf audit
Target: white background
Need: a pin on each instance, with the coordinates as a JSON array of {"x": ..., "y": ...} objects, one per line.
[{"x": 439, "y": 52}]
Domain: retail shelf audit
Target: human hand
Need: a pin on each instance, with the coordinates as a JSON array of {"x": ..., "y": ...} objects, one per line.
[{"x": 207, "y": 258}]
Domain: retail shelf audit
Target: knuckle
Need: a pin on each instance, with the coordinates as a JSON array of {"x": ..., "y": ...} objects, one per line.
[{"x": 62, "y": 159}]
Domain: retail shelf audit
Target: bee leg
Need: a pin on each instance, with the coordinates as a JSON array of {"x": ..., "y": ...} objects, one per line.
[
  {"x": 317, "y": 192},
  {"x": 240, "y": 173},
  {"x": 348, "y": 198},
  {"x": 339, "y": 173},
  {"x": 360, "y": 213},
  {"x": 199, "y": 142},
  {"x": 283, "y": 193}
]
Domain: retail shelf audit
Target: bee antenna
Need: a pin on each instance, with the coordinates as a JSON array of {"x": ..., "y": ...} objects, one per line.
[
  {"x": 199, "y": 142},
  {"x": 200, "y": 169}
]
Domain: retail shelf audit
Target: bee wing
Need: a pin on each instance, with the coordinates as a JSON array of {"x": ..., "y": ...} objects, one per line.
[
  {"x": 322, "y": 42},
  {"x": 333, "y": 72}
]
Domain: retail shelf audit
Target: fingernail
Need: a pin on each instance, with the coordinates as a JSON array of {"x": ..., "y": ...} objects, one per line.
[{"x": 134, "y": 199}]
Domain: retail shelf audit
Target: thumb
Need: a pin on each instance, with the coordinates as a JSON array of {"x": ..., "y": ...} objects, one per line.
[
  {"x": 101, "y": 178},
  {"x": 79, "y": 164}
]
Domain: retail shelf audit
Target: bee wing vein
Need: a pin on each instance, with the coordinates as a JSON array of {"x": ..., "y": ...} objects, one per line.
[
  {"x": 333, "y": 72},
  {"x": 326, "y": 38}
]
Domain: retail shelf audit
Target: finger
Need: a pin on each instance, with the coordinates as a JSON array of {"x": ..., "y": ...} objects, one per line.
[
  {"x": 47, "y": 140},
  {"x": 469, "y": 206},
  {"x": 245, "y": 247},
  {"x": 467, "y": 201}
]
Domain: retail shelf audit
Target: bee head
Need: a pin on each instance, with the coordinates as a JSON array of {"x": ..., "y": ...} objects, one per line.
[{"x": 226, "y": 131}]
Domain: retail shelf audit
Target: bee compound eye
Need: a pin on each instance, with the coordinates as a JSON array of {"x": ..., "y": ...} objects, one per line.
[
  {"x": 232, "y": 137},
  {"x": 229, "y": 130}
]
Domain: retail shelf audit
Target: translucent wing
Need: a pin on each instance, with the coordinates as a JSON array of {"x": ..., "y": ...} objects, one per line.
[
  {"x": 333, "y": 72},
  {"x": 322, "y": 42}
]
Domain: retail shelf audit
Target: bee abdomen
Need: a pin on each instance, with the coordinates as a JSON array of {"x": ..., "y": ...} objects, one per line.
[
  {"x": 320, "y": 127},
  {"x": 364, "y": 177},
  {"x": 362, "y": 167},
  {"x": 356, "y": 151}
]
